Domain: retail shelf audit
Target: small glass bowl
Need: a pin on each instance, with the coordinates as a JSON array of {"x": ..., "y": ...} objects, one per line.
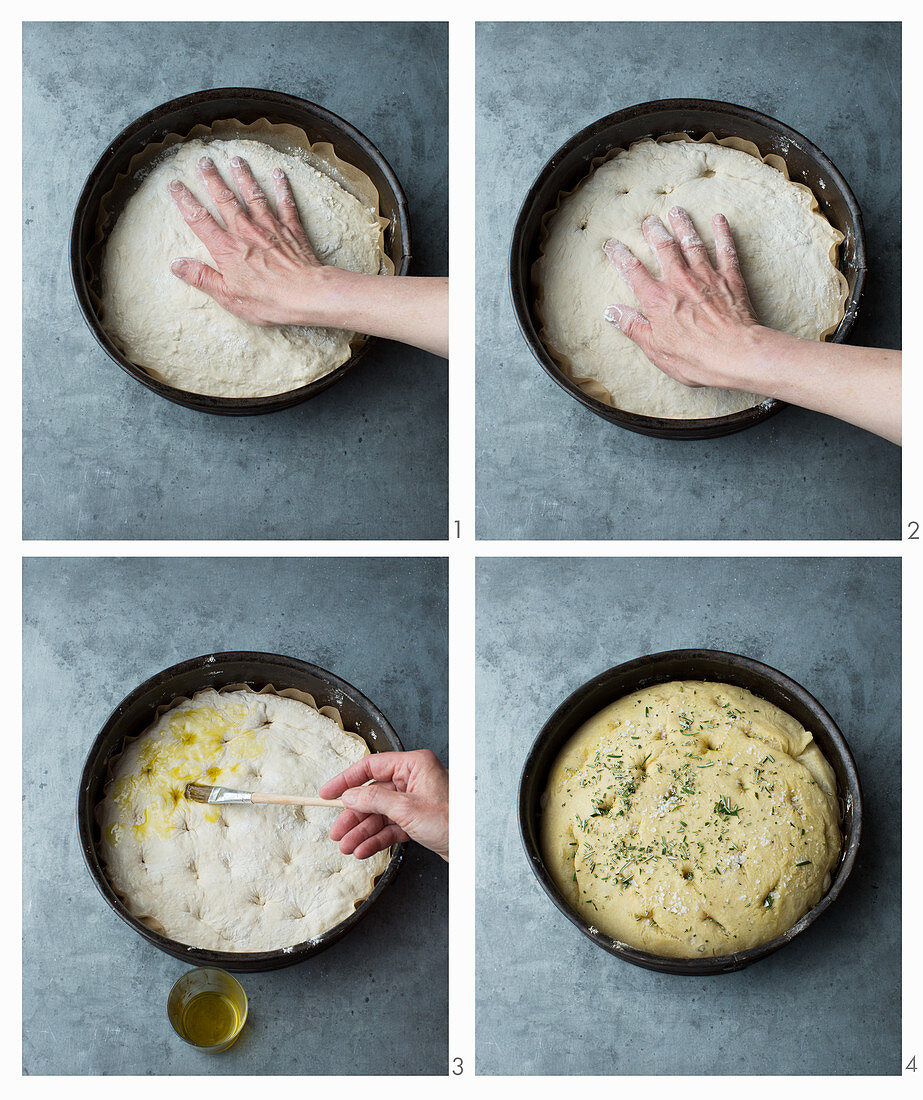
[{"x": 208, "y": 1009}]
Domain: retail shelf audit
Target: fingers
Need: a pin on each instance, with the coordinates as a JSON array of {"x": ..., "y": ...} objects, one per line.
[
  {"x": 345, "y": 823},
  {"x": 379, "y": 798},
  {"x": 378, "y": 765},
  {"x": 362, "y": 835},
  {"x": 630, "y": 268},
  {"x": 199, "y": 220},
  {"x": 663, "y": 245},
  {"x": 690, "y": 243},
  {"x": 367, "y": 825},
  {"x": 632, "y": 324},
  {"x": 199, "y": 275},
  {"x": 286, "y": 209},
  {"x": 391, "y": 834},
  {"x": 257, "y": 203},
  {"x": 349, "y": 819},
  {"x": 226, "y": 202},
  {"x": 726, "y": 260}
]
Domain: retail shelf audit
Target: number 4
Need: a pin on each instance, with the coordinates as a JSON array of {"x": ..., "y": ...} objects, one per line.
[{"x": 912, "y": 1064}]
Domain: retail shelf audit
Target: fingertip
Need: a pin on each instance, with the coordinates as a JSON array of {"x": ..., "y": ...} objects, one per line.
[
  {"x": 179, "y": 266},
  {"x": 613, "y": 315},
  {"x": 175, "y": 186},
  {"x": 719, "y": 219},
  {"x": 237, "y": 162}
]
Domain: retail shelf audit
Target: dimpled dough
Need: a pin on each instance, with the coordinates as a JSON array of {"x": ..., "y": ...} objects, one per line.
[
  {"x": 233, "y": 878},
  {"x": 691, "y": 819},
  {"x": 784, "y": 246},
  {"x": 181, "y": 335}
]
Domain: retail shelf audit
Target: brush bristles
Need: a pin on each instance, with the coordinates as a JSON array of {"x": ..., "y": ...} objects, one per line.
[{"x": 197, "y": 792}]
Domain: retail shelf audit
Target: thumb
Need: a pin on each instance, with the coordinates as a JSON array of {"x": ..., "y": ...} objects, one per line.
[
  {"x": 199, "y": 275},
  {"x": 377, "y": 798},
  {"x": 631, "y": 323}
]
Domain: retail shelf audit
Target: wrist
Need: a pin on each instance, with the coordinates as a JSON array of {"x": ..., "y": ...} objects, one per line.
[
  {"x": 752, "y": 363},
  {"x": 318, "y": 297}
]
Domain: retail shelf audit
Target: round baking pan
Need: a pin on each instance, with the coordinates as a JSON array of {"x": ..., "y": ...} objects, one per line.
[
  {"x": 689, "y": 664},
  {"x": 216, "y": 670},
  {"x": 695, "y": 117},
  {"x": 180, "y": 116}
]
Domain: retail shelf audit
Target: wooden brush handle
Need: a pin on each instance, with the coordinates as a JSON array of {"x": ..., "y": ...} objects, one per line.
[{"x": 297, "y": 800}]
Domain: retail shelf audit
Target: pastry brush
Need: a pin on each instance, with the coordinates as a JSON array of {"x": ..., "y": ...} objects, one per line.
[{"x": 224, "y": 796}]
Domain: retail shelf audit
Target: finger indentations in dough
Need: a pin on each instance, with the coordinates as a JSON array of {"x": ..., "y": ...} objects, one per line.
[{"x": 713, "y": 920}]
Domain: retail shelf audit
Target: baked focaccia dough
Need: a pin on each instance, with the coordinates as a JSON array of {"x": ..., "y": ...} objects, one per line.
[
  {"x": 181, "y": 335},
  {"x": 787, "y": 252},
  {"x": 233, "y": 878},
  {"x": 691, "y": 819}
]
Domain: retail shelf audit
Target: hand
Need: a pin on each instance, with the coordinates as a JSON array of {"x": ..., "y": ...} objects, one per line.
[
  {"x": 697, "y": 326},
  {"x": 408, "y": 799},
  {"x": 266, "y": 269},
  {"x": 267, "y": 272},
  {"x": 695, "y": 316}
]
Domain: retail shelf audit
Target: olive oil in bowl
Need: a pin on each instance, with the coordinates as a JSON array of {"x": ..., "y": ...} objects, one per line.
[{"x": 208, "y": 1008}]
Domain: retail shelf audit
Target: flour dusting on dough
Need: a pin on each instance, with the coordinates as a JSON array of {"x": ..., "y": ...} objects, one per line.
[
  {"x": 784, "y": 244},
  {"x": 182, "y": 336},
  {"x": 233, "y": 878}
]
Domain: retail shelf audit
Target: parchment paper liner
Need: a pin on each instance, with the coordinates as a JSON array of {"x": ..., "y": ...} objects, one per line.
[
  {"x": 591, "y": 386},
  {"x": 285, "y": 693},
  {"x": 283, "y": 136}
]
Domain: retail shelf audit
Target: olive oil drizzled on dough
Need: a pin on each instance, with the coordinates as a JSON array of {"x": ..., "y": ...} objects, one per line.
[{"x": 151, "y": 798}]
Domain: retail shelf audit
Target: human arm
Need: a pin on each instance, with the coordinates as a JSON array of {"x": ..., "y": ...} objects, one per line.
[
  {"x": 391, "y": 797},
  {"x": 697, "y": 325},
  {"x": 267, "y": 273}
]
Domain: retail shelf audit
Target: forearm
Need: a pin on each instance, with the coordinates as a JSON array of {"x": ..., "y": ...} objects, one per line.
[
  {"x": 411, "y": 310},
  {"x": 859, "y": 385}
]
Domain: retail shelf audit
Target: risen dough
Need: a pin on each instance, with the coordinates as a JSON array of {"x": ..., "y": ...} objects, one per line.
[
  {"x": 786, "y": 251},
  {"x": 691, "y": 819},
  {"x": 181, "y": 335},
  {"x": 233, "y": 878}
]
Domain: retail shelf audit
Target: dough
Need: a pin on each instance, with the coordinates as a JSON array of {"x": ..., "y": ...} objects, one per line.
[
  {"x": 691, "y": 819},
  {"x": 787, "y": 254},
  {"x": 183, "y": 337},
  {"x": 232, "y": 878}
]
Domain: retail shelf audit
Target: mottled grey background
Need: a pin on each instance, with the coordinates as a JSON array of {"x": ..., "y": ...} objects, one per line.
[
  {"x": 551, "y": 1002},
  {"x": 95, "y": 992},
  {"x": 103, "y": 457},
  {"x": 550, "y": 469}
]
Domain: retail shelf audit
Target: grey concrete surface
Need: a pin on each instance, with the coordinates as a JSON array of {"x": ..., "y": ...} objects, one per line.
[
  {"x": 94, "y": 992},
  {"x": 548, "y": 1000},
  {"x": 104, "y": 458},
  {"x": 550, "y": 469}
]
